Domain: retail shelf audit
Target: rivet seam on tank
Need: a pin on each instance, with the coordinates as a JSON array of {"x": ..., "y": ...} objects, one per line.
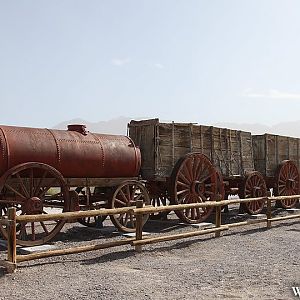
[
  {"x": 77, "y": 141},
  {"x": 57, "y": 145},
  {"x": 113, "y": 138},
  {"x": 99, "y": 142},
  {"x": 2, "y": 144},
  {"x": 36, "y": 132}
]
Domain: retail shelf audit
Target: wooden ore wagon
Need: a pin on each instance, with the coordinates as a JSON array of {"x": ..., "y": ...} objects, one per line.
[
  {"x": 187, "y": 163},
  {"x": 278, "y": 159}
]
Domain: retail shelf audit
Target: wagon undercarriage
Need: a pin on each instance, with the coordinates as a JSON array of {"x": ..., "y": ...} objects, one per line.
[{"x": 36, "y": 188}]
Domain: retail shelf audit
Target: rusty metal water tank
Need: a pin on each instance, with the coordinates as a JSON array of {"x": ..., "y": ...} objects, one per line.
[{"x": 74, "y": 152}]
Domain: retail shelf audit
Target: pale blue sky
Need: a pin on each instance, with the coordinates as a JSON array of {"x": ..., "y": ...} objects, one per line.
[{"x": 195, "y": 61}]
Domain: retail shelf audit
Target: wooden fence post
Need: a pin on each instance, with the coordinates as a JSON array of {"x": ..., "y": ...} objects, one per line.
[
  {"x": 139, "y": 226},
  {"x": 11, "y": 241},
  {"x": 218, "y": 218},
  {"x": 269, "y": 212}
]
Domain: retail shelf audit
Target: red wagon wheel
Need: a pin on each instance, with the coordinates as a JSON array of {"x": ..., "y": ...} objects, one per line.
[
  {"x": 34, "y": 188},
  {"x": 287, "y": 183},
  {"x": 126, "y": 195},
  {"x": 254, "y": 186},
  {"x": 193, "y": 180}
]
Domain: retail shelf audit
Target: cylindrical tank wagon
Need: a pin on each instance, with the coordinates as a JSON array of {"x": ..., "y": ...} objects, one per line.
[{"x": 43, "y": 169}]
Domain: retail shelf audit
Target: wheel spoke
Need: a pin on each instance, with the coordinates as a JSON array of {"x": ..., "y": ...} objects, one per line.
[
  {"x": 182, "y": 177},
  {"x": 133, "y": 192},
  {"x": 204, "y": 178},
  {"x": 183, "y": 184},
  {"x": 195, "y": 168},
  {"x": 23, "y": 186},
  {"x": 31, "y": 182},
  {"x": 126, "y": 219},
  {"x": 121, "y": 202},
  {"x": 182, "y": 192},
  {"x": 186, "y": 172},
  {"x": 14, "y": 191},
  {"x": 138, "y": 197},
  {"x": 44, "y": 190},
  {"x": 200, "y": 169},
  {"x": 124, "y": 196},
  {"x": 128, "y": 192},
  {"x": 39, "y": 185}
]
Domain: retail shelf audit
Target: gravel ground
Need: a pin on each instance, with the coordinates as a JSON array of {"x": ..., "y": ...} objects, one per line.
[{"x": 244, "y": 263}]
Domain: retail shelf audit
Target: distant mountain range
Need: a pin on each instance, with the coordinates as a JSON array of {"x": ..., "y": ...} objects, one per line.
[
  {"x": 119, "y": 126},
  {"x": 285, "y": 128}
]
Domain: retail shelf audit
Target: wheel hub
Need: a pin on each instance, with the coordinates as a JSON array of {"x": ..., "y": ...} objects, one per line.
[
  {"x": 257, "y": 192},
  {"x": 33, "y": 205},
  {"x": 290, "y": 184},
  {"x": 197, "y": 187}
]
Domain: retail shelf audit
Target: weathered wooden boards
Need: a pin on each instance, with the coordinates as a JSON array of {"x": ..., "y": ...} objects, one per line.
[
  {"x": 270, "y": 150},
  {"x": 162, "y": 144}
]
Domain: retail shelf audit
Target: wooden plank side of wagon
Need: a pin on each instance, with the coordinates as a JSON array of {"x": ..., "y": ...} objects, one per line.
[
  {"x": 165, "y": 143},
  {"x": 144, "y": 134},
  {"x": 247, "y": 161},
  {"x": 259, "y": 153},
  {"x": 270, "y": 150},
  {"x": 174, "y": 142},
  {"x": 232, "y": 151}
]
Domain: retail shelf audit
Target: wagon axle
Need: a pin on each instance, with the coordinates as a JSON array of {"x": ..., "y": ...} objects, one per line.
[
  {"x": 257, "y": 192},
  {"x": 290, "y": 184},
  {"x": 197, "y": 187}
]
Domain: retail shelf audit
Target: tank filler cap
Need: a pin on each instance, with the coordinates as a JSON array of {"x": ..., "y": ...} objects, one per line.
[{"x": 78, "y": 128}]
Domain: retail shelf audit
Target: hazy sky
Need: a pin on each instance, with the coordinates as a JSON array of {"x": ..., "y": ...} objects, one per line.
[{"x": 195, "y": 61}]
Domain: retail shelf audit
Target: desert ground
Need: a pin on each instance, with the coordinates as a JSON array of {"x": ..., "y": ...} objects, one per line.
[{"x": 244, "y": 263}]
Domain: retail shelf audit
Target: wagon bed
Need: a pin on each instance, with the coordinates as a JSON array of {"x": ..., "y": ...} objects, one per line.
[
  {"x": 269, "y": 150},
  {"x": 163, "y": 144}
]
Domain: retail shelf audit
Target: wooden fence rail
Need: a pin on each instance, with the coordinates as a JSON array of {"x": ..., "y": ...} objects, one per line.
[{"x": 138, "y": 241}]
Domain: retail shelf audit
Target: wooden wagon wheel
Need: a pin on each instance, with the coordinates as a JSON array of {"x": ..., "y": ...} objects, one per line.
[
  {"x": 35, "y": 188},
  {"x": 126, "y": 195},
  {"x": 287, "y": 183},
  {"x": 193, "y": 179},
  {"x": 253, "y": 186},
  {"x": 159, "y": 196}
]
